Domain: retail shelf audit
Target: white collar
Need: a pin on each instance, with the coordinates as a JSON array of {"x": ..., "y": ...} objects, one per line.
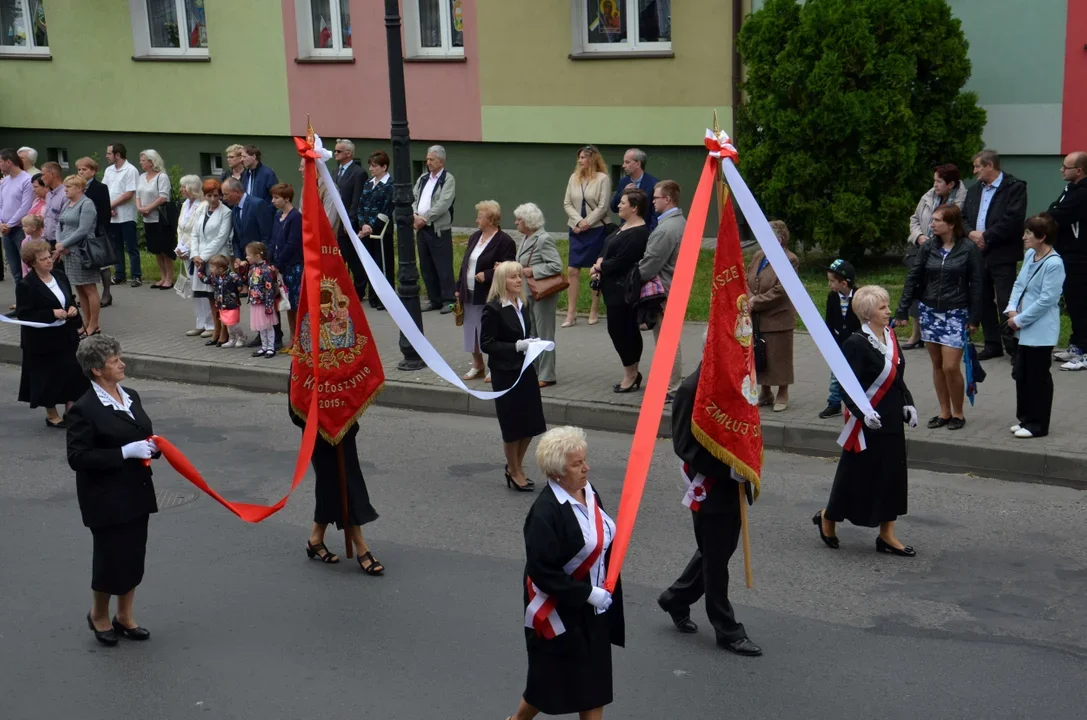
[
  {"x": 111, "y": 402},
  {"x": 564, "y": 497},
  {"x": 508, "y": 303},
  {"x": 882, "y": 344},
  {"x": 847, "y": 295},
  {"x": 383, "y": 180}
]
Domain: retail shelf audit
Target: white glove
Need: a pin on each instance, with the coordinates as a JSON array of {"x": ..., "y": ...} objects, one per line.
[
  {"x": 872, "y": 421},
  {"x": 139, "y": 450},
  {"x": 909, "y": 414},
  {"x": 600, "y": 598},
  {"x": 154, "y": 446},
  {"x": 522, "y": 345}
]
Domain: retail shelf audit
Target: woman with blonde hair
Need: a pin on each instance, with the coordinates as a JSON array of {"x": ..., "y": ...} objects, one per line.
[
  {"x": 75, "y": 226},
  {"x": 587, "y": 194},
  {"x": 870, "y": 486},
  {"x": 505, "y": 330},
  {"x": 234, "y": 164},
  {"x": 152, "y": 197},
  {"x": 192, "y": 211}
]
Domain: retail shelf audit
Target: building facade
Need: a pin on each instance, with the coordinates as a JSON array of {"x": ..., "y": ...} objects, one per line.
[{"x": 511, "y": 88}]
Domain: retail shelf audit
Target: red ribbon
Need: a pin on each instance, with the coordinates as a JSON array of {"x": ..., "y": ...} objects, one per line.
[{"x": 717, "y": 150}]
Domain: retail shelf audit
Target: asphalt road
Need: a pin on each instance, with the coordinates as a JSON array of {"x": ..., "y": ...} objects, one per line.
[{"x": 990, "y": 619}]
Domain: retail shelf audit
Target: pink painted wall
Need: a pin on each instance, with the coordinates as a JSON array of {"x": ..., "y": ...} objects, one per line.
[{"x": 352, "y": 100}]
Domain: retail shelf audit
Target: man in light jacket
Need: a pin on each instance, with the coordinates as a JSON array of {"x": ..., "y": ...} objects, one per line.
[
  {"x": 659, "y": 260},
  {"x": 435, "y": 193}
]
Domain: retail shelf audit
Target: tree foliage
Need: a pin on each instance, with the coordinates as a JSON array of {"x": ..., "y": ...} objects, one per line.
[{"x": 850, "y": 104}]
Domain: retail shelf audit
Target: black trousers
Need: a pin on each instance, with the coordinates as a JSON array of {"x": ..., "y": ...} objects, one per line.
[
  {"x": 996, "y": 290},
  {"x": 1075, "y": 300},
  {"x": 707, "y": 573},
  {"x": 358, "y": 275},
  {"x": 624, "y": 333},
  {"x": 382, "y": 253},
  {"x": 1033, "y": 388},
  {"x": 436, "y": 264}
]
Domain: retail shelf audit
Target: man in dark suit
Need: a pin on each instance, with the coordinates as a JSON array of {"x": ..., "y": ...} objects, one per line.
[
  {"x": 634, "y": 166},
  {"x": 994, "y": 214},
  {"x": 350, "y": 177},
  {"x": 258, "y": 178},
  {"x": 1070, "y": 213},
  {"x": 252, "y": 219},
  {"x": 97, "y": 191}
]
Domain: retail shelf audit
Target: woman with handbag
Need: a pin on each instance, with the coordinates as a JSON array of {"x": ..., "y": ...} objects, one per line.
[
  {"x": 586, "y": 203},
  {"x": 192, "y": 212},
  {"x": 77, "y": 242},
  {"x": 774, "y": 320},
  {"x": 543, "y": 272},
  {"x": 486, "y": 248},
  {"x": 153, "y": 203}
]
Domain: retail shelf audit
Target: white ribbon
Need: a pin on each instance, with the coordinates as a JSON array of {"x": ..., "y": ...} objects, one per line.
[
  {"x": 27, "y": 323},
  {"x": 813, "y": 321},
  {"x": 396, "y": 308}
]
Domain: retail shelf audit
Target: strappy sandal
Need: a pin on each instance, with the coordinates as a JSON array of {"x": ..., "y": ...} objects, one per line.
[
  {"x": 375, "y": 567},
  {"x": 314, "y": 552},
  {"x": 472, "y": 374}
]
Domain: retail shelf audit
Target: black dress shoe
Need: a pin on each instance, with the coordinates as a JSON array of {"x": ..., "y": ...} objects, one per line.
[
  {"x": 904, "y": 551},
  {"x": 830, "y": 411},
  {"x": 682, "y": 621},
  {"x": 956, "y": 423},
  {"x": 211, "y": 342},
  {"x": 106, "y": 637},
  {"x": 743, "y": 646},
  {"x": 136, "y": 633},
  {"x": 830, "y": 540},
  {"x": 937, "y": 422},
  {"x": 989, "y": 354}
]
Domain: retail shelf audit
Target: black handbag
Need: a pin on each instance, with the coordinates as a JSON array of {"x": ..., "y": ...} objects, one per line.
[
  {"x": 758, "y": 344},
  {"x": 97, "y": 253}
]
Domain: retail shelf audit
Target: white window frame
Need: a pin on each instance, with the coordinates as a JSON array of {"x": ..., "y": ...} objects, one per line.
[
  {"x": 582, "y": 46},
  {"x": 141, "y": 33},
  {"x": 62, "y": 157},
  {"x": 216, "y": 163},
  {"x": 413, "y": 28},
  {"x": 304, "y": 23},
  {"x": 30, "y": 48}
]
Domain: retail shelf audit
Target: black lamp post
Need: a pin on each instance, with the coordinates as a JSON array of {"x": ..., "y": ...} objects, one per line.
[{"x": 407, "y": 272}]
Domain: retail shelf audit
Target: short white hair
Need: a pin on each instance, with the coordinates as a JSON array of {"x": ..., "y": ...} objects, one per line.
[
  {"x": 867, "y": 299},
  {"x": 193, "y": 184},
  {"x": 531, "y": 215},
  {"x": 437, "y": 150},
  {"x": 347, "y": 144},
  {"x": 31, "y": 154},
  {"x": 556, "y": 446},
  {"x": 156, "y": 160}
]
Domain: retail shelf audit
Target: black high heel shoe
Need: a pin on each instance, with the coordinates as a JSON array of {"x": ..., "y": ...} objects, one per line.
[
  {"x": 637, "y": 384},
  {"x": 136, "y": 633},
  {"x": 528, "y": 480},
  {"x": 106, "y": 637},
  {"x": 831, "y": 541},
  {"x": 529, "y": 486},
  {"x": 883, "y": 547}
]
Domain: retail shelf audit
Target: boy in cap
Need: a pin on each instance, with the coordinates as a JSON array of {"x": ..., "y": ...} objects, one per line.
[{"x": 841, "y": 320}]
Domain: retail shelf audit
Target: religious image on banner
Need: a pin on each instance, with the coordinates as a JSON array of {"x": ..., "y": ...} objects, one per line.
[
  {"x": 726, "y": 418},
  {"x": 343, "y": 366}
]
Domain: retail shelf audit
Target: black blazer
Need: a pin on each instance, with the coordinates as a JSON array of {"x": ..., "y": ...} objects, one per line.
[
  {"x": 34, "y": 302},
  {"x": 99, "y": 195},
  {"x": 1004, "y": 221},
  {"x": 499, "y": 249},
  {"x": 840, "y": 327},
  {"x": 350, "y": 187},
  {"x": 623, "y": 249},
  {"x": 866, "y": 360},
  {"x": 111, "y": 490},
  {"x": 255, "y": 224},
  {"x": 499, "y": 332},
  {"x": 552, "y": 537}
]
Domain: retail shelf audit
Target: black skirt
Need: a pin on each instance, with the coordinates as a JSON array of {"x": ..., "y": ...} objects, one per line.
[
  {"x": 870, "y": 486},
  {"x": 327, "y": 488},
  {"x": 51, "y": 379},
  {"x": 119, "y": 552},
  {"x": 520, "y": 411},
  {"x": 159, "y": 239},
  {"x": 570, "y": 682}
]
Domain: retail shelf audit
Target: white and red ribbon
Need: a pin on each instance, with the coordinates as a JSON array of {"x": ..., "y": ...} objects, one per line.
[
  {"x": 720, "y": 145},
  {"x": 698, "y": 488},
  {"x": 541, "y": 613},
  {"x": 852, "y": 435}
]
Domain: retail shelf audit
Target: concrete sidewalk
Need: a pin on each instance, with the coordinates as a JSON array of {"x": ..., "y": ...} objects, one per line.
[{"x": 151, "y": 325}]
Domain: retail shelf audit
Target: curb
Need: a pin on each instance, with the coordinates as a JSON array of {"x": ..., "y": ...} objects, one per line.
[{"x": 1067, "y": 470}]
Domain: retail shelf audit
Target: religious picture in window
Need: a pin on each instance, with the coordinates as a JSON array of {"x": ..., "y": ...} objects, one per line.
[
  {"x": 22, "y": 25},
  {"x": 607, "y": 20}
]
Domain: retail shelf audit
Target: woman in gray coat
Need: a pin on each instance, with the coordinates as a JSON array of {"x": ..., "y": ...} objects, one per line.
[
  {"x": 540, "y": 259},
  {"x": 78, "y": 221}
]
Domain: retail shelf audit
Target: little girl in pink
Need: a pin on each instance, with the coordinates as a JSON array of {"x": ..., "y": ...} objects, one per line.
[
  {"x": 33, "y": 225},
  {"x": 263, "y": 297}
]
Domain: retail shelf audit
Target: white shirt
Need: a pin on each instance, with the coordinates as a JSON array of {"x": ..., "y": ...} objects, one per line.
[
  {"x": 109, "y": 401},
  {"x": 473, "y": 259},
  {"x": 148, "y": 191},
  {"x": 54, "y": 287},
  {"x": 581, "y": 512},
  {"x": 520, "y": 318},
  {"x": 428, "y": 193},
  {"x": 120, "y": 181},
  {"x": 384, "y": 179}
]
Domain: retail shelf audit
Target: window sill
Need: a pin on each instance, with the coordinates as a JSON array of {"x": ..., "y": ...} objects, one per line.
[
  {"x": 25, "y": 56},
  {"x": 624, "y": 55},
  {"x": 325, "y": 60},
  {"x": 436, "y": 59},
  {"x": 172, "y": 58}
]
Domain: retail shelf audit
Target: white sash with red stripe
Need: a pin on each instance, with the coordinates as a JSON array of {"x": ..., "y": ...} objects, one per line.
[
  {"x": 541, "y": 614},
  {"x": 698, "y": 487},
  {"x": 852, "y": 436}
]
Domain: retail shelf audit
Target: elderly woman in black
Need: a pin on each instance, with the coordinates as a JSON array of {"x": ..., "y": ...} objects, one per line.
[
  {"x": 870, "y": 486},
  {"x": 50, "y": 374},
  {"x": 623, "y": 249},
  {"x": 505, "y": 329},
  {"x": 571, "y": 621},
  {"x": 109, "y": 444}
]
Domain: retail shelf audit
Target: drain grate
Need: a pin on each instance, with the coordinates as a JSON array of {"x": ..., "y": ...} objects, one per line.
[{"x": 168, "y": 499}]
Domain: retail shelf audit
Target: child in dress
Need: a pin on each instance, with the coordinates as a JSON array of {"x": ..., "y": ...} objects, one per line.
[
  {"x": 33, "y": 225},
  {"x": 226, "y": 288},
  {"x": 263, "y": 297}
]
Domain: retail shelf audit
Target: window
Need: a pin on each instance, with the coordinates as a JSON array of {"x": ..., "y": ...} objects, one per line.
[
  {"x": 434, "y": 28},
  {"x": 324, "y": 28},
  {"x": 603, "y": 26},
  {"x": 169, "y": 28},
  {"x": 22, "y": 28},
  {"x": 211, "y": 164},
  {"x": 58, "y": 155}
]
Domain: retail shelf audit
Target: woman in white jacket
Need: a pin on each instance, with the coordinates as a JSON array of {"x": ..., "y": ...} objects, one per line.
[
  {"x": 192, "y": 212},
  {"x": 947, "y": 188},
  {"x": 211, "y": 236}
]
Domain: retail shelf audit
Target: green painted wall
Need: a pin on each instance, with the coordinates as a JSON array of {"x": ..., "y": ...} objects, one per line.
[{"x": 242, "y": 90}]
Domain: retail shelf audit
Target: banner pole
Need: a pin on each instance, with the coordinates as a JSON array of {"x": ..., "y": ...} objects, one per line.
[
  {"x": 344, "y": 515},
  {"x": 749, "y": 575}
]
